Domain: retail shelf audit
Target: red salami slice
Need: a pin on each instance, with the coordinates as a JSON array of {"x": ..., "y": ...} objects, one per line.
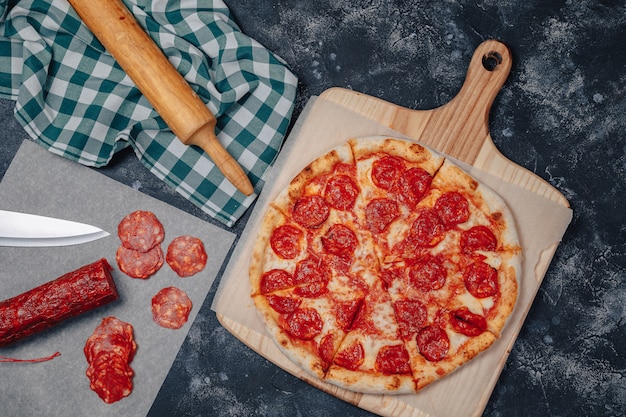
[
  {"x": 412, "y": 185},
  {"x": 467, "y": 323},
  {"x": 427, "y": 230},
  {"x": 379, "y": 213},
  {"x": 286, "y": 241},
  {"x": 427, "y": 273},
  {"x": 140, "y": 231},
  {"x": 341, "y": 192},
  {"x": 303, "y": 323},
  {"x": 393, "y": 360},
  {"x": 351, "y": 357},
  {"x": 311, "y": 211},
  {"x": 171, "y": 307},
  {"x": 411, "y": 316},
  {"x": 478, "y": 238},
  {"x": 109, "y": 351},
  {"x": 481, "y": 280},
  {"x": 186, "y": 256},
  {"x": 386, "y": 171},
  {"x": 138, "y": 264},
  {"x": 76, "y": 292},
  {"x": 275, "y": 279},
  {"x": 339, "y": 240},
  {"x": 452, "y": 209},
  {"x": 433, "y": 343}
]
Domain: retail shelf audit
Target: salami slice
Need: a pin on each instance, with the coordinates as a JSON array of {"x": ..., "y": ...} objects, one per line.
[
  {"x": 109, "y": 351},
  {"x": 171, "y": 307},
  {"x": 393, "y": 359},
  {"x": 186, "y": 255},
  {"x": 138, "y": 264},
  {"x": 311, "y": 211},
  {"x": 76, "y": 292},
  {"x": 433, "y": 343},
  {"x": 140, "y": 231}
]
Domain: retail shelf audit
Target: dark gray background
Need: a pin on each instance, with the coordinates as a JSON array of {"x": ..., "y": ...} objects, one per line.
[{"x": 561, "y": 114}]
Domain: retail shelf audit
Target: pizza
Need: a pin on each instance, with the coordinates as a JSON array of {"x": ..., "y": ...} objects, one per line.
[{"x": 383, "y": 266}]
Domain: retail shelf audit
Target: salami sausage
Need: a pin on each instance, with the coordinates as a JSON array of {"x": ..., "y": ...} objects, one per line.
[
  {"x": 287, "y": 241},
  {"x": 171, "y": 307},
  {"x": 428, "y": 273},
  {"x": 186, "y": 256},
  {"x": 42, "y": 307},
  {"x": 341, "y": 192},
  {"x": 379, "y": 213},
  {"x": 109, "y": 351},
  {"x": 386, "y": 171},
  {"x": 141, "y": 231},
  {"x": 478, "y": 238},
  {"x": 351, "y": 357},
  {"x": 452, "y": 208},
  {"x": 433, "y": 343},
  {"x": 393, "y": 359},
  {"x": 311, "y": 211}
]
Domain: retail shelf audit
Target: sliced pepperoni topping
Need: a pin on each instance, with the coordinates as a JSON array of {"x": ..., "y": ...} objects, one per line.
[
  {"x": 478, "y": 238},
  {"x": 275, "y": 279},
  {"x": 171, "y": 307},
  {"x": 452, "y": 208},
  {"x": 140, "y": 231},
  {"x": 339, "y": 240},
  {"x": 186, "y": 256},
  {"x": 379, "y": 213},
  {"x": 283, "y": 305},
  {"x": 427, "y": 230},
  {"x": 312, "y": 290},
  {"x": 303, "y": 323},
  {"x": 412, "y": 185},
  {"x": 386, "y": 171},
  {"x": 393, "y": 360},
  {"x": 286, "y": 241},
  {"x": 481, "y": 280},
  {"x": 433, "y": 343},
  {"x": 311, "y": 270},
  {"x": 341, "y": 192},
  {"x": 345, "y": 312},
  {"x": 411, "y": 316},
  {"x": 427, "y": 273},
  {"x": 351, "y": 357},
  {"x": 467, "y": 323},
  {"x": 326, "y": 348},
  {"x": 311, "y": 211}
]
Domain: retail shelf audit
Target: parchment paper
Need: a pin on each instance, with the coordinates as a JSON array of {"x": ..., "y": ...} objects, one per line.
[
  {"x": 39, "y": 182},
  {"x": 540, "y": 223}
]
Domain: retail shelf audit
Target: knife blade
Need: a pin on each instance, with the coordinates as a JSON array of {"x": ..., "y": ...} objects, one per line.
[{"x": 31, "y": 230}]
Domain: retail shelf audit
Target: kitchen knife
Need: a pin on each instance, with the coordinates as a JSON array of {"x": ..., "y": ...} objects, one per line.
[{"x": 30, "y": 230}]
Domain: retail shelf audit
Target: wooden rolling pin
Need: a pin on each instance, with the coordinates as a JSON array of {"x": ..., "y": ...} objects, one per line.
[{"x": 164, "y": 87}]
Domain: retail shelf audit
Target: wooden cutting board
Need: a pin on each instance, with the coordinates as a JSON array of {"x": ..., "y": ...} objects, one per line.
[{"x": 460, "y": 130}]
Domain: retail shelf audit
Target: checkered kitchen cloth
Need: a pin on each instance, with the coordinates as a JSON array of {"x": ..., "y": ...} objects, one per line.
[{"x": 72, "y": 98}]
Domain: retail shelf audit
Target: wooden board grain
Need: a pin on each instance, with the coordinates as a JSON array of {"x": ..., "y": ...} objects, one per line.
[{"x": 460, "y": 130}]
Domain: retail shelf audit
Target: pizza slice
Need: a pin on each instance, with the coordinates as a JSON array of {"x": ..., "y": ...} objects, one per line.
[{"x": 372, "y": 358}]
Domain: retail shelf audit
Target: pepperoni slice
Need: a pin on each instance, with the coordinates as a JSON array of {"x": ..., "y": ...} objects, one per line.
[
  {"x": 311, "y": 211},
  {"x": 283, "y": 305},
  {"x": 411, "y": 316},
  {"x": 186, "y": 256},
  {"x": 311, "y": 270},
  {"x": 412, "y": 185},
  {"x": 467, "y": 323},
  {"x": 339, "y": 240},
  {"x": 286, "y": 241},
  {"x": 137, "y": 264},
  {"x": 303, "y": 323},
  {"x": 481, "y": 280},
  {"x": 140, "y": 231},
  {"x": 452, "y": 208},
  {"x": 326, "y": 348},
  {"x": 171, "y": 307},
  {"x": 341, "y": 192},
  {"x": 478, "y": 238},
  {"x": 433, "y": 343},
  {"x": 346, "y": 311},
  {"x": 427, "y": 230},
  {"x": 428, "y": 273},
  {"x": 275, "y": 279},
  {"x": 351, "y": 357},
  {"x": 393, "y": 360},
  {"x": 386, "y": 171},
  {"x": 379, "y": 213}
]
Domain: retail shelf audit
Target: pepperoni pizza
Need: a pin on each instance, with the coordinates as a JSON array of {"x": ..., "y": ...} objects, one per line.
[{"x": 383, "y": 266}]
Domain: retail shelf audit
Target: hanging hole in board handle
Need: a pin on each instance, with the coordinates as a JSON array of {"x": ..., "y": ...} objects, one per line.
[{"x": 491, "y": 60}]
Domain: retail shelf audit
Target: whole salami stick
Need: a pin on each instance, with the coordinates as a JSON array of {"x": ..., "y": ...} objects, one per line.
[{"x": 76, "y": 292}]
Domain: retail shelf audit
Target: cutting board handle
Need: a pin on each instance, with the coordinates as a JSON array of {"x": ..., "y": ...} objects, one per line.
[{"x": 460, "y": 128}]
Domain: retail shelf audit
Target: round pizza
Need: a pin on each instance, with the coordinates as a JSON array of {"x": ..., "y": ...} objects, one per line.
[{"x": 383, "y": 266}]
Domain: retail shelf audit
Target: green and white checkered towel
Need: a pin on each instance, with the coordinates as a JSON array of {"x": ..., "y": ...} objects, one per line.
[{"x": 74, "y": 99}]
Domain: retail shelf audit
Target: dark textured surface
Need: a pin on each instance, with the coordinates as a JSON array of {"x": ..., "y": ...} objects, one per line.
[{"x": 561, "y": 114}]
